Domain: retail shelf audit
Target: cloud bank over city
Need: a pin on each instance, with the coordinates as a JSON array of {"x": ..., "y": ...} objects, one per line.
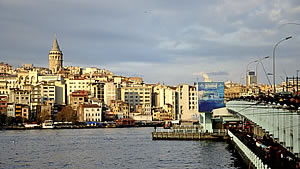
[{"x": 162, "y": 41}]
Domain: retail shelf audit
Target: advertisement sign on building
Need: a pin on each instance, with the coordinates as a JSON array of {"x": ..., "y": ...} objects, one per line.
[{"x": 210, "y": 96}]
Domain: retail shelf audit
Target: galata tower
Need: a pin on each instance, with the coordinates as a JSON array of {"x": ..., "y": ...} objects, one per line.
[{"x": 55, "y": 58}]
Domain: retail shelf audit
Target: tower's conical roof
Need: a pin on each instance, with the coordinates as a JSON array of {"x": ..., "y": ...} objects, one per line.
[{"x": 55, "y": 46}]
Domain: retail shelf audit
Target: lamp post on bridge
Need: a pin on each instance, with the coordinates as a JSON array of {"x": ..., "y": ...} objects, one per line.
[
  {"x": 260, "y": 61},
  {"x": 297, "y": 83},
  {"x": 275, "y": 46}
]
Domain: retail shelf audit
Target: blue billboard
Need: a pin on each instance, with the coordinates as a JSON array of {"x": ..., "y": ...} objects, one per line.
[{"x": 210, "y": 96}]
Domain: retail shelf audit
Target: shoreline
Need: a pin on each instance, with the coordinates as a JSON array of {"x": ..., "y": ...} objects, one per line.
[{"x": 75, "y": 127}]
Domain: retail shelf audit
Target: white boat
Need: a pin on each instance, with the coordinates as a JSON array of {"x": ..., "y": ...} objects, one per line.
[
  {"x": 48, "y": 124},
  {"x": 27, "y": 125}
]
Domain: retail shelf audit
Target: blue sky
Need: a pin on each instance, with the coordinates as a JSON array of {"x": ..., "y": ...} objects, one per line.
[{"x": 166, "y": 41}]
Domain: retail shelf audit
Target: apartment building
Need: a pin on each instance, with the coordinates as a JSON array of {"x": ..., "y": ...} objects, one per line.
[
  {"x": 48, "y": 93},
  {"x": 165, "y": 98},
  {"x": 89, "y": 112},
  {"x": 78, "y": 84},
  {"x": 188, "y": 102},
  {"x": 110, "y": 92},
  {"x": 119, "y": 106},
  {"x": 98, "y": 91},
  {"x": 78, "y": 97},
  {"x": 137, "y": 95},
  {"x": 11, "y": 110},
  {"x": 18, "y": 96},
  {"x": 5, "y": 69}
]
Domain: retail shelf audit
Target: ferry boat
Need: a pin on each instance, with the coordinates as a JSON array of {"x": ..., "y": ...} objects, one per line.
[{"x": 48, "y": 124}]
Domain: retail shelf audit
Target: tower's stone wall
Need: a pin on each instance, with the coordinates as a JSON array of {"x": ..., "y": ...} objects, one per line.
[{"x": 55, "y": 58}]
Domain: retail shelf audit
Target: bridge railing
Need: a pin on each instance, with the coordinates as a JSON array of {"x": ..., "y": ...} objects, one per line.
[{"x": 255, "y": 160}]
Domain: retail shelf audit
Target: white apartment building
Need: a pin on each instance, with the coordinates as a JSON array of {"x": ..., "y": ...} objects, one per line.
[
  {"x": 48, "y": 78},
  {"x": 164, "y": 97},
  {"x": 95, "y": 70},
  {"x": 18, "y": 96},
  {"x": 48, "y": 92},
  {"x": 78, "y": 84},
  {"x": 28, "y": 78},
  {"x": 90, "y": 112},
  {"x": 188, "y": 102},
  {"x": 110, "y": 92},
  {"x": 8, "y": 82}
]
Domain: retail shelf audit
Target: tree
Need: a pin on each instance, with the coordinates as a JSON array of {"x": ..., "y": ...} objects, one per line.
[
  {"x": 66, "y": 114},
  {"x": 11, "y": 121},
  {"x": 44, "y": 114},
  {"x": 3, "y": 119}
]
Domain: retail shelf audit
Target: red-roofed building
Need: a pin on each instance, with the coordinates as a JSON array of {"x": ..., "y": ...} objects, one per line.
[{"x": 78, "y": 97}]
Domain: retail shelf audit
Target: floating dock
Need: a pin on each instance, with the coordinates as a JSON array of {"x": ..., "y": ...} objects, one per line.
[
  {"x": 194, "y": 132},
  {"x": 188, "y": 136}
]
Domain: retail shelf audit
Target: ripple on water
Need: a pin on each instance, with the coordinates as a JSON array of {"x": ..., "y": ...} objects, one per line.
[{"x": 108, "y": 148}]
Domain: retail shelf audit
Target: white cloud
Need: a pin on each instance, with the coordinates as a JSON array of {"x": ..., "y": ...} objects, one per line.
[{"x": 160, "y": 40}]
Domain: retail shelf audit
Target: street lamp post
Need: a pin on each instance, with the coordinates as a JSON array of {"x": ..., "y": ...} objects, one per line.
[
  {"x": 287, "y": 38},
  {"x": 260, "y": 61},
  {"x": 297, "y": 82}
]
